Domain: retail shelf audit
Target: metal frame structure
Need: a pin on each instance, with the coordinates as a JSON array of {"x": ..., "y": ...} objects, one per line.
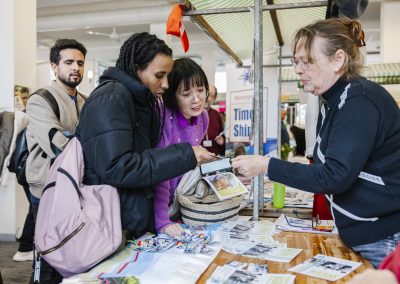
[
  {"x": 258, "y": 8},
  {"x": 197, "y": 16}
]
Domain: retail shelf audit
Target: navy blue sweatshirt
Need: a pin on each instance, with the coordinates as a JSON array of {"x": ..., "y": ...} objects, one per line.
[{"x": 357, "y": 161}]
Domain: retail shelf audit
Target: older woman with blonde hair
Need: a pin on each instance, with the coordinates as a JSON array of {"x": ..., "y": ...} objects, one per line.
[{"x": 357, "y": 153}]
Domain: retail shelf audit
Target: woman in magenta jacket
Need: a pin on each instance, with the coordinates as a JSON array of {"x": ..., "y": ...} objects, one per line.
[{"x": 185, "y": 120}]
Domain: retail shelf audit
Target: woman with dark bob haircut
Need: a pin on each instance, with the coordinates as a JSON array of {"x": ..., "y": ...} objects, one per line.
[{"x": 185, "y": 120}]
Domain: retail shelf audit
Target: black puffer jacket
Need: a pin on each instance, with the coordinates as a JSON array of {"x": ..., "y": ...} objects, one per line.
[{"x": 115, "y": 132}]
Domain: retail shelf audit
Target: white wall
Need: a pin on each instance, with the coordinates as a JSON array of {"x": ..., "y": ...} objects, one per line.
[
  {"x": 18, "y": 34},
  {"x": 208, "y": 60},
  {"x": 43, "y": 72},
  {"x": 87, "y": 85},
  {"x": 25, "y": 43},
  {"x": 390, "y": 41},
  {"x": 7, "y": 55},
  {"x": 7, "y": 189}
]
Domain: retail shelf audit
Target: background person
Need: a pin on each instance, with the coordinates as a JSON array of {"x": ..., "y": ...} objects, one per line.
[
  {"x": 24, "y": 95},
  {"x": 120, "y": 125},
  {"x": 185, "y": 120},
  {"x": 357, "y": 153},
  {"x": 214, "y": 141},
  {"x": 67, "y": 60},
  {"x": 25, "y": 247},
  {"x": 285, "y": 139}
]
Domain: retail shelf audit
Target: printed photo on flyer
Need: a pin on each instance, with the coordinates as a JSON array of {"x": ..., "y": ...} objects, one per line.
[{"x": 225, "y": 185}]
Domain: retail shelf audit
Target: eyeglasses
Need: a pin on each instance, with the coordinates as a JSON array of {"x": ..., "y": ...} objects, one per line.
[
  {"x": 298, "y": 223},
  {"x": 322, "y": 225},
  {"x": 316, "y": 224},
  {"x": 296, "y": 62},
  {"x": 191, "y": 96}
]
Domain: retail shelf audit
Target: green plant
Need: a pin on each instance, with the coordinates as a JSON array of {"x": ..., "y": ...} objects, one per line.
[{"x": 285, "y": 150}]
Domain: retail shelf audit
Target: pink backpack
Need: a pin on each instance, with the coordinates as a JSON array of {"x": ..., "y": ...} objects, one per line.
[{"x": 77, "y": 225}]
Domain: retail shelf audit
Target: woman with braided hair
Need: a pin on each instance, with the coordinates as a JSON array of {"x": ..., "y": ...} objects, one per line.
[
  {"x": 120, "y": 126},
  {"x": 357, "y": 153}
]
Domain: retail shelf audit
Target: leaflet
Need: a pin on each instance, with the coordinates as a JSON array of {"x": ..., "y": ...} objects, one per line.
[
  {"x": 237, "y": 272},
  {"x": 273, "y": 251},
  {"x": 326, "y": 267},
  {"x": 225, "y": 185},
  {"x": 279, "y": 253},
  {"x": 259, "y": 231},
  {"x": 298, "y": 198}
]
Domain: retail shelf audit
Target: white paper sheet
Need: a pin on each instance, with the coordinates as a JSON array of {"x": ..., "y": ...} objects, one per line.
[{"x": 326, "y": 267}]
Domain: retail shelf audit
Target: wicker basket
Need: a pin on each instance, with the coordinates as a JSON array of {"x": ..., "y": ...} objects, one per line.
[{"x": 207, "y": 210}]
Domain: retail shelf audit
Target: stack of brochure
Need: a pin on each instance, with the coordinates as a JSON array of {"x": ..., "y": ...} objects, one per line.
[
  {"x": 326, "y": 267},
  {"x": 239, "y": 272},
  {"x": 298, "y": 198},
  {"x": 254, "y": 239},
  {"x": 293, "y": 197}
]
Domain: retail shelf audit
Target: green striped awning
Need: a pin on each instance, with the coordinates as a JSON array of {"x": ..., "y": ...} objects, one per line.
[
  {"x": 234, "y": 32},
  {"x": 383, "y": 73}
]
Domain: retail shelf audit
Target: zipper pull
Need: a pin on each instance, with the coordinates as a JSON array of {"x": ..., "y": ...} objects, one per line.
[{"x": 36, "y": 275}]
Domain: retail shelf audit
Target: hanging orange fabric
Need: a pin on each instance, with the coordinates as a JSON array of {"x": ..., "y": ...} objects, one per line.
[{"x": 175, "y": 26}]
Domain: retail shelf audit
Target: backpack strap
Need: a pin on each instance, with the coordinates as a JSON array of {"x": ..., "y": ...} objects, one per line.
[{"x": 50, "y": 99}]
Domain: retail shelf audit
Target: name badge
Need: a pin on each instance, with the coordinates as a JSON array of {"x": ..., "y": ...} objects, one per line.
[{"x": 207, "y": 143}]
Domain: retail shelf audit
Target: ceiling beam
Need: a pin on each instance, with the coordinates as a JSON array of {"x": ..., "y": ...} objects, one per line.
[
  {"x": 275, "y": 22},
  {"x": 205, "y": 27},
  {"x": 251, "y": 8}
]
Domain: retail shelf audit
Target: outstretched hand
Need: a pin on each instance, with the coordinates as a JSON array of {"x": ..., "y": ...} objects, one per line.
[
  {"x": 374, "y": 276},
  {"x": 203, "y": 155},
  {"x": 172, "y": 230},
  {"x": 251, "y": 165}
]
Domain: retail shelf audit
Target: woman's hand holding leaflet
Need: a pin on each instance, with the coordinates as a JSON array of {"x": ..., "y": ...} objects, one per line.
[{"x": 202, "y": 155}]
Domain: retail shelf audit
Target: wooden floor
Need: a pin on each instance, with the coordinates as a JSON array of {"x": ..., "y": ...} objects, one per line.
[{"x": 312, "y": 244}]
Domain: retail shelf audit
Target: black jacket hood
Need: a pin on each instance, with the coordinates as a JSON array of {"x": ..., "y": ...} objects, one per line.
[{"x": 141, "y": 92}]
